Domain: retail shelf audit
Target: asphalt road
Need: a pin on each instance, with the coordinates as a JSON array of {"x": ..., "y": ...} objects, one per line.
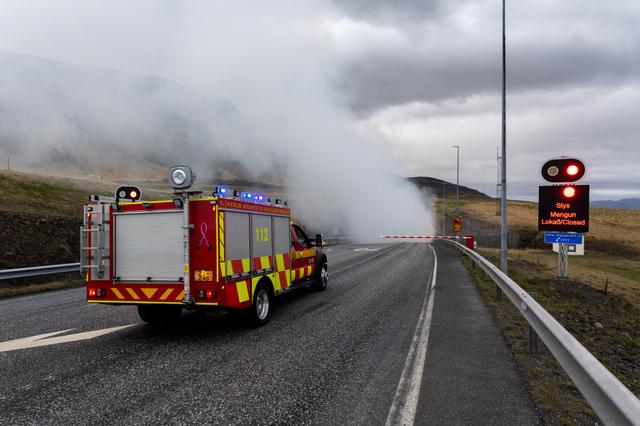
[{"x": 354, "y": 354}]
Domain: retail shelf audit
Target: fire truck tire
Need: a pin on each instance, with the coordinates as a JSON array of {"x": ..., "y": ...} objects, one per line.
[
  {"x": 159, "y": 314},
  {"x": 322, "y": 277},
  {"x": 260, "y": 311}
]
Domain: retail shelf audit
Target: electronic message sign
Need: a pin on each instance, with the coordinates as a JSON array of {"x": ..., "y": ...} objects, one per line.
[{"x": 563, "y": 208}]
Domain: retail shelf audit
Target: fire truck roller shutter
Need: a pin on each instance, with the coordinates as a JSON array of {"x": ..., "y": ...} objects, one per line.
[
  {"x": 148, "y": 245},
  {"x": 282, "y": 244},
  {"x": 262, "y": 242},
  {"x": 237, "y": 243}
]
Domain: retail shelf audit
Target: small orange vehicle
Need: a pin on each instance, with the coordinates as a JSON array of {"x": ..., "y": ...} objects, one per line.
[{"x": 228, "y": 251}]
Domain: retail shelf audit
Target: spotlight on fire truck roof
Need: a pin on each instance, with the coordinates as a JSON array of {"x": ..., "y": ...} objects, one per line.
[
  {"x": 128, "y": 192},
  {"x": 181, "y": 177}
]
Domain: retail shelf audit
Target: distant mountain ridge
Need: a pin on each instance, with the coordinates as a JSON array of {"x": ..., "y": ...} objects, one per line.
[
  {"x": 89, "y": 120},
  {"x": 625, "y": 203},
  {"x": 438, "y": 186}
]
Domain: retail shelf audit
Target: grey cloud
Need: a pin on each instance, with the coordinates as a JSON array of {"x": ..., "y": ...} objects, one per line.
[
  {"x": 379, "y": 80},
  {"x": 392, "y": 10}
]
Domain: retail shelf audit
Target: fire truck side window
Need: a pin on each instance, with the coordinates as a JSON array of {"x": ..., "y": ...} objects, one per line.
[{"x": 300, "y": 235}]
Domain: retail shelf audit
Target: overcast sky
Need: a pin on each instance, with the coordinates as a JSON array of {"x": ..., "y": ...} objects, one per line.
[{"x": 416, "y": 76}]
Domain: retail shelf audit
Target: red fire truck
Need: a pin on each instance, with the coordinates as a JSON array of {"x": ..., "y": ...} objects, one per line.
[{"x": 226, "y": 251}]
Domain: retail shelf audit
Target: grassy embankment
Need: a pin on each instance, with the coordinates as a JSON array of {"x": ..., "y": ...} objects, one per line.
[
  {"x": 39, "y": 223},
  {"x": 599, "y": 304}
]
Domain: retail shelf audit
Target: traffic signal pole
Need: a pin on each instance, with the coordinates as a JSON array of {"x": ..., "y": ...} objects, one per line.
[{"x": 503, "y": 181}]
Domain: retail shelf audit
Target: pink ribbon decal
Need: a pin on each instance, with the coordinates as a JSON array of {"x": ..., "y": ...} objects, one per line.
[{"x": 204, "y": 239}]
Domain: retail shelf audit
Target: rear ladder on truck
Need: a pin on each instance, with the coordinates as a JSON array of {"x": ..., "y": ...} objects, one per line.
[{"x": 94, "y": 246}]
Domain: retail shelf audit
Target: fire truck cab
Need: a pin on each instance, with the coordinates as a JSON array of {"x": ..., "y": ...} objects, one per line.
[{"x": 226, "y": 251}]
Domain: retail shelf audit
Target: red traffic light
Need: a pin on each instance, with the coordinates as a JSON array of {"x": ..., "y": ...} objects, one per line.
[
  {"x": 563, "y": 170},
  {"x": 569, "y": 191},
  {"x": 573, "y": 169}
]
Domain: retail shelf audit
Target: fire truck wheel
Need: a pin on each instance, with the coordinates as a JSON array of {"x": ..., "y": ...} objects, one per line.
[
  {"x": 159, "y": 314},
  {"x": 322, "y": 278},
  {"x": 260, "y": 312}
]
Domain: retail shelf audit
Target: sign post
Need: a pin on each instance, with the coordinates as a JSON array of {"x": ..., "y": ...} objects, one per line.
[{"x": 563, "y": 261}]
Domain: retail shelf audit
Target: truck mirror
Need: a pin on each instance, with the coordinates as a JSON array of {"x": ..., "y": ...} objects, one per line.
[{"x": 319, "y": 240}]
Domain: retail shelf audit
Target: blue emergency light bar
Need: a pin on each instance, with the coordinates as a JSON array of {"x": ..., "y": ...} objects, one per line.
[{"x": 223, "y": 191}]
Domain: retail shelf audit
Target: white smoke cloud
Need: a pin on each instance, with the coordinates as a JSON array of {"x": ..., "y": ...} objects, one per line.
[{"x": 275, "y": 61}]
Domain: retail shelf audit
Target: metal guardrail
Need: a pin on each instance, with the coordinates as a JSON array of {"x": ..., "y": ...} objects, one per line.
[
  {"x": 610, "y": 399},
  {"x": 335, "y": 241},
  {"x": 9, "y": 274}
]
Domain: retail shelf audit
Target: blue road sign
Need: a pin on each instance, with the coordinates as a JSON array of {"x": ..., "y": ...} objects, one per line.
[{"x": 562, "y": 238}]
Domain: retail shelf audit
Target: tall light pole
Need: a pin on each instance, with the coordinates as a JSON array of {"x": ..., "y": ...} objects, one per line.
[
  {"x": 444, "y": 205},
  {"x": 457, "y": 147},
  {"x": 503, "y": 181}
]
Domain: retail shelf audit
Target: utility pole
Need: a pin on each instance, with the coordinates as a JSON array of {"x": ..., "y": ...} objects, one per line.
[
  {"x": 498, "y": 182},
  {"x": 444, "y": 206},
  {"x": 503, "y": 184},
  {"x": 8, "y": 163},
  {"x": 457, "y": 147}
]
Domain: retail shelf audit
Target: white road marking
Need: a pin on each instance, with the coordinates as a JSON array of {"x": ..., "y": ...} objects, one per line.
[
  {"x": 47, "y": 339},
  {"x": 367, "y": 249},
  {"x": 405, "y": 402}
]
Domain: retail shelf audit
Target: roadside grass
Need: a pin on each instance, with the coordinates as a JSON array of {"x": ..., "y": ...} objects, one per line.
[
  {"x": 606, "y": 324},
  {"x": 614, "y": 232},
  {"x": 46, "y": 195},
  {"x": 7, "y": 290},
  {"x": 25, "y": 192},
  {"x": 619, "y": 276}
]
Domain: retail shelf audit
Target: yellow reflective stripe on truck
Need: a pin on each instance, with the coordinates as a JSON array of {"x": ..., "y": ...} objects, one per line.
[
  {"x": 166, "y": 294},
  {"x": 243, "y": 294},
  {"x": 132, "y": 293},
  {"x": 117, "y": 293},
  {"x": 220, "y": 222}
]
